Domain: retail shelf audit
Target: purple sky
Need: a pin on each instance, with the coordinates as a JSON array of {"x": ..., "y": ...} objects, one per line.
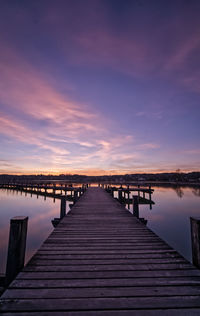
[{"x": 99, "y": 86}]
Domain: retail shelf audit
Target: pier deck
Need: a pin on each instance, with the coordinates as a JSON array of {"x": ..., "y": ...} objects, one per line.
[{"x": 100, "y": 260}]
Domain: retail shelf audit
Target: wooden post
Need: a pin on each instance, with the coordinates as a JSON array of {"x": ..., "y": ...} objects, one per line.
[
  {"x": 150, "y": 205},
  {"x": 195, "y": 236},
  {"x": 128, "y": 194},
  {"x": 62, "y": 207},
  {"x": 16, "y": 247},
  {"x": 120, "y": 196},
  {"x": 75, "y": 196},
  {"x": 138, "y": 190},
  {"x": 136, "y": 206},
  {"x": 150, "y": 200}
]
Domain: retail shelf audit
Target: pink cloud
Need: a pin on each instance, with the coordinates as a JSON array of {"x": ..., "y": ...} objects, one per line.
[{"x": 28, "y": 93}]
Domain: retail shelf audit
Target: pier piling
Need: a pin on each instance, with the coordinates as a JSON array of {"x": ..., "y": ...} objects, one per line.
[
  {"x": 195, "y": 238},
  {"x": 62, "y": 207},
  {"x": 136, "y": 206},
  {"x": 16, "y": 247}
]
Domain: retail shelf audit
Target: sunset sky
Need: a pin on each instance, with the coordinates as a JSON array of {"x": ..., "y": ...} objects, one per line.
[{"x": 99, "y": 86}]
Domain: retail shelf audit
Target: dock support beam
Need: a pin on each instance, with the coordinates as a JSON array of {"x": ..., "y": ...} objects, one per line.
[
  {"x": 62, "y": 207},
  {"x": 75, "y": 196},
  {"x": 195, "y": 236},
  {"x": 16, "y": 247},
  {"x": 120, "y": 196},
  {"x": 136, "y": 206}
]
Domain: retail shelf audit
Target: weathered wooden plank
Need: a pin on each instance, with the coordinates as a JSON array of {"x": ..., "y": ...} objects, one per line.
[
  {"x": 69, "y": 283},
  {"x": 93, "y": 250},
  {"x": 100, "y": 303},
  {"x": 65, "y": 248},
  {"x": 119, "y": 312},
  {"x": 167, "y": 252},
  {"x": 106, "y": 274},
  {"x": 115, "y": 232},
  {"x": 105, "y": 252},
  {"x": 137, "y": 246},
  {"x": 112, "y": 255},
  {"x": 105, "y": 240},
  {"x": 100, "y": 261},
  {"x": 108, "y": 267},
  {"x": 134, "y": 234},
  {"x": 103, "y": 292},
  {"x": 84, "y": 237}
]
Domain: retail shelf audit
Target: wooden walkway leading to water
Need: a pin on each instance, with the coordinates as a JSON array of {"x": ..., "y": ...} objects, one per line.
[{"x": 100, "y": 260}]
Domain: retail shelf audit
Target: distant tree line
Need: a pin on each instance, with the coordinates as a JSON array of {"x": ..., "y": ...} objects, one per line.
[{"x": 128, "y": 178}]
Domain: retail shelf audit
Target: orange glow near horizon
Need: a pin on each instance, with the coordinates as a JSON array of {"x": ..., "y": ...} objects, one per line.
[{"x": 98, "y": 172}]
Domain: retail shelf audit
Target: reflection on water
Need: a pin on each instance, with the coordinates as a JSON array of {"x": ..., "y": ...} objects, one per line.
[
  {"x": 40, "y": 214},
  {"x": 179, "y": 191},
  {"x": 196, "y": 191},
  {"x": 169, "y": 217}
]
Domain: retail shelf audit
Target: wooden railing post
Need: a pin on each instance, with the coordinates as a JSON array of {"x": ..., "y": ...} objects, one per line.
[
  {"x": 16, "y": 247},
  {"x": 195, "y": 238},
  {"x": 120, "y": 195},
  {"x": 62, "y": 207},
  {"x": 75, "y": 196},
  {"x": 136, "y": 206}
]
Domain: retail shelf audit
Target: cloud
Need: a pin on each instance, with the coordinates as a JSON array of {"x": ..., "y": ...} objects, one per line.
[
  {"x": 46, "y": 126},
  {"x": 34, "y": 112},
  {"x": 191, "y": 152},
  {"x": 147, "y": 146},
  {"x": 18, "y": 131},
  {"x": 51, "y": 131}
]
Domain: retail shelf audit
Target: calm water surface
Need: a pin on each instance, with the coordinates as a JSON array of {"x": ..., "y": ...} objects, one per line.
[
  {"x": 40, "y": 214},
  {"x": 169, "y": 217}
]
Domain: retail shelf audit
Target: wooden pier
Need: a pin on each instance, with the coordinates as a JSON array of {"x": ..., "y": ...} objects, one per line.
[
  {"x": 50, "y": 191},
  {"x": 101, "y": 260},
  {"x": 124, "y": 195}
]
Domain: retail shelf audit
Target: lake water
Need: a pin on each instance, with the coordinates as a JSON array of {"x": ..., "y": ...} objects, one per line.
[
  {"x": 168, "y": 218},
  {"x": 40, "y": 213}
]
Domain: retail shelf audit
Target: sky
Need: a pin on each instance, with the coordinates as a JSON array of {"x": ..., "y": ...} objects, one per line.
[{"x": 99, "y": 86}]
